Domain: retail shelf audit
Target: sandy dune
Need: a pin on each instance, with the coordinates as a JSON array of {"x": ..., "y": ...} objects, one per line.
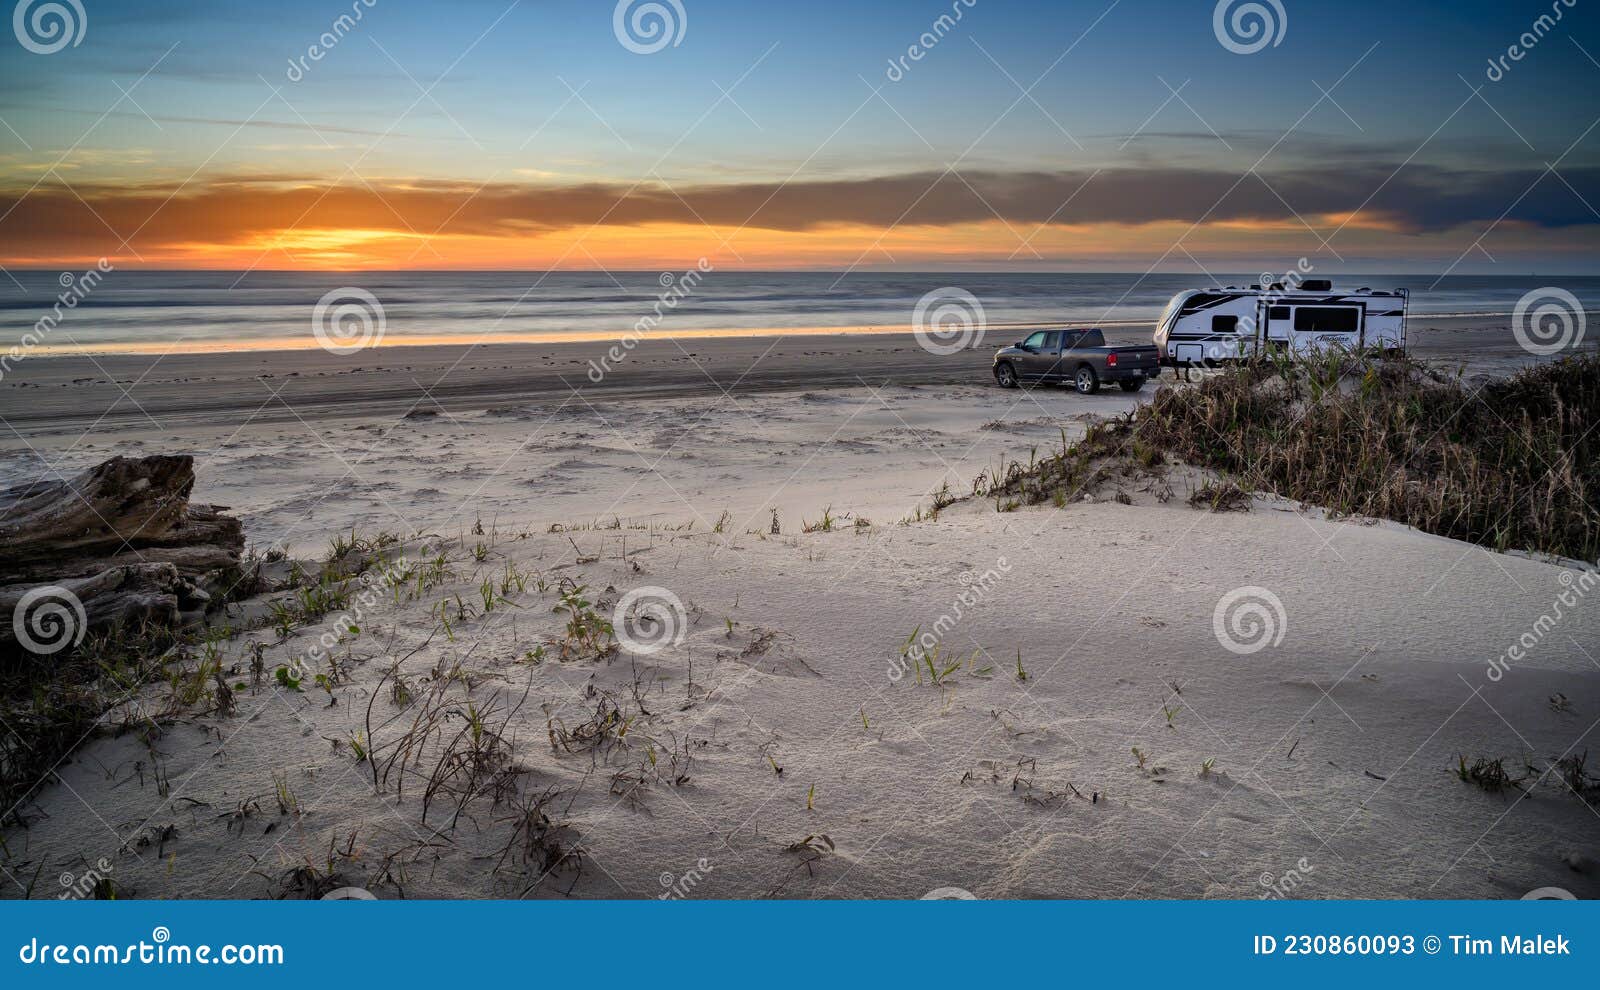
[{"x": 1332, "y": 750}]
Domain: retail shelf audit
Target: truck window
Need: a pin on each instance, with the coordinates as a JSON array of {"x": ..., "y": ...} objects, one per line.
[
  {"x": 1052, "y": 341},
  {"x": 1091, "y": 338},
  {"x": 1035, "y": 340},
  {"x": 1327, "y": 319}
]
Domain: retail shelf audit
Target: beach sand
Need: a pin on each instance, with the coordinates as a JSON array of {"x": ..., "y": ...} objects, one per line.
[{"x": 1323, "y": 764}]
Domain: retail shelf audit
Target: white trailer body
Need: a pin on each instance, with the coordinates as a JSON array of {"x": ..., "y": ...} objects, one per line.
[{"x": 1211, "y": 326}]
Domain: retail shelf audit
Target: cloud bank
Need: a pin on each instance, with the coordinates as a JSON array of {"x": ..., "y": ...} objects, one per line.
[{"x": 54, "y": 220}]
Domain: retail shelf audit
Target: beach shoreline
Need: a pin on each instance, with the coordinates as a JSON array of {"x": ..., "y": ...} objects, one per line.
[{"x": 51, "y": 393}]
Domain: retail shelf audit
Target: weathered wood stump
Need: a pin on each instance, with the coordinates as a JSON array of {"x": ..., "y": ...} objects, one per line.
[{"x": 118, "y": 543}]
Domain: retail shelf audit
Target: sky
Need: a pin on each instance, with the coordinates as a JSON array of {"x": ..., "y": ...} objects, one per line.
[{"x": 1015, "y": 135}]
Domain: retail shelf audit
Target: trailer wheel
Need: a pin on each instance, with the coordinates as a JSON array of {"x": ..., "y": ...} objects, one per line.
[
  {"x": 1005, "y": 375},
  {"x": 1086, "y": 381}
]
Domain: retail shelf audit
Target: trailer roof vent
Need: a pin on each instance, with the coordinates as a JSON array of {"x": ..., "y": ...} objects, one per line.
[{"x": 1317, "y": 285}]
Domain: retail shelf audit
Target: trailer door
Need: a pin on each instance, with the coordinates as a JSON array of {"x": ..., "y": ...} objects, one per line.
[{"x": 1280, "y": 322}]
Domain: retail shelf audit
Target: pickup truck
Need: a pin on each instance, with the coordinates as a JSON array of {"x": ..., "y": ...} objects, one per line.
[{"x": 1077, "y": 356}]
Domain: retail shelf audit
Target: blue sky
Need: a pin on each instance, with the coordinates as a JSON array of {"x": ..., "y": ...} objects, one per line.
[{"x": 543, "y": 93}]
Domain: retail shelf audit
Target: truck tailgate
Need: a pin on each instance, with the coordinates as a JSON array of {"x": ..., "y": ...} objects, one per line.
[{"x": 1137, "y": 356}]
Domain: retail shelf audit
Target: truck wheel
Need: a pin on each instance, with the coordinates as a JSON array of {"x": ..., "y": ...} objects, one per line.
[
  {"x": 1086, "y": 382},
  {"x": 1005, "y": 375},
  {"x": 1132, "y": 386}
]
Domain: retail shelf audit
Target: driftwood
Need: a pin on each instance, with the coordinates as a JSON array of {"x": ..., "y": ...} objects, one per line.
[{"x": 119, "y": 542}]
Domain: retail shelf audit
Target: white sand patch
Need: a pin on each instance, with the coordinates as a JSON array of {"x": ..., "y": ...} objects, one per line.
[{"x": 1334, "y": 751}]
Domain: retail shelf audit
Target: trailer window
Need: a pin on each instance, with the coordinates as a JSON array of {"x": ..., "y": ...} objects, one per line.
[
  {"x": 1224, "y": 324},
  {"x": 1327, "y": 319},
  {"x": 1278, "y": 313}
]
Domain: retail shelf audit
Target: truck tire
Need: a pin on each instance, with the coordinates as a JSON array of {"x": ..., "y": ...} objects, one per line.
[
  {"x": 1086, "y": 381},
  {"x": 1132, "y": 385},
  {"x": 1005, "y": 374}
]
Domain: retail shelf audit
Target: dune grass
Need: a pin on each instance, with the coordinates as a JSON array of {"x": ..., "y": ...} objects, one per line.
[{"x": 1511, "y": 464}]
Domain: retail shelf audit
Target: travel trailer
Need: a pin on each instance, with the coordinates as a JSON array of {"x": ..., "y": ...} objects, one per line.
[{"x": 1211, "y": 326}]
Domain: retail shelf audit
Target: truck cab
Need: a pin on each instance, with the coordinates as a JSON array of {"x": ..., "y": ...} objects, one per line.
[{"x": 1076, "y": 355}]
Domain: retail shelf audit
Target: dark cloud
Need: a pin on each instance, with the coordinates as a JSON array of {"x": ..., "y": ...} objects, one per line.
[{"x": 1416, "y": 198}]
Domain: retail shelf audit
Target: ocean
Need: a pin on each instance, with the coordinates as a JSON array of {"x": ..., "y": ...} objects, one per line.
[{"x": 207, "y": 310}]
